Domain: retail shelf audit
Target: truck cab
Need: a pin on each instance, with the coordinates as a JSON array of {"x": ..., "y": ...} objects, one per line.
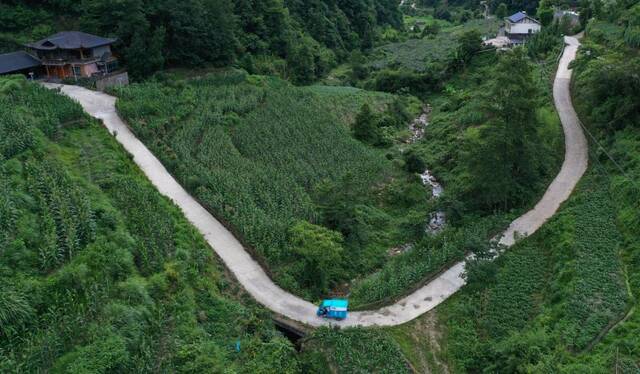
[{"x": 333, "y": 308}]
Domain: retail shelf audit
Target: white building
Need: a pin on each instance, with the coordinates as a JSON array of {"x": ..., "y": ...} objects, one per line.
[{"x": 519, "y": 26}]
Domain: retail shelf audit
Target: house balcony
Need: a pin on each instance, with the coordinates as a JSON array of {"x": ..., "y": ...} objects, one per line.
[{"x": 69, "y": 61}]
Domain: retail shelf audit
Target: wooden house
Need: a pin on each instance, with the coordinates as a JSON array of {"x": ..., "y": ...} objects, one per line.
[{"x": 74, "y": 54}]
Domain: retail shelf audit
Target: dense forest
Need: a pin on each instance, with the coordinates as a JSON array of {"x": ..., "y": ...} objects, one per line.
[{"x": 299, "y": 39}]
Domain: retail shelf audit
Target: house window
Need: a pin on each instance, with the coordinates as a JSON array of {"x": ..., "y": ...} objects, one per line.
[
  {"x": 77, "y": 71},
  {"x": 112, "y": 66}
]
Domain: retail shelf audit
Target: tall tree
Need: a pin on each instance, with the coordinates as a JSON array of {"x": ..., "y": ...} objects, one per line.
[
  {"x": 501, "y": 11},
  {"x": 365, "y": 128},
  {"x": 469, "y": 44},
  {"x": 144, "y": 54},
  {"x": 545, "y": 12},
  {"x": 301, "y": 61},
  {"x": 501, "y": 154}
]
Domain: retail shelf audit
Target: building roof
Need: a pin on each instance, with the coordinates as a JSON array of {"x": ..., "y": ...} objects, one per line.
[
  {"x": 517, "y": 17},
  {"x": 15, "y": 61},
  {"x": 70, "y": 40}
]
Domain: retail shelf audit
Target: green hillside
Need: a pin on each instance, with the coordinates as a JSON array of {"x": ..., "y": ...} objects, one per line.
[
  {"x": 427, "y": 52},
  {"x": 299, "y": 40},
  {"x": 283, "y": 167},
  {"x": 100, "y": 273},
  {"x": 278, "y": 163},
  {"x": 292, "y": 122},
  {"x": 565, "y": 299}
]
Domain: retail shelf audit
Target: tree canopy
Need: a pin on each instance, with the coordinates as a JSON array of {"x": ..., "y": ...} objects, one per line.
[
  {"x": 308, "y": 35},
  {"x": 501, "y": 156}
]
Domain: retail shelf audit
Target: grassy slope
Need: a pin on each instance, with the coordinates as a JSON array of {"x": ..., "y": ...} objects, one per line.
[
  {"x": 551, "y": 295},
  {"x": 416, "y": 54},
  {"x": 260, "y": 137},
  {"x": 565, "y": 299},
  {"x": 453, "y": 113},
  {"x": 516, "y": 296},
  {"x": 254, "y": 150},
  {"x": 98, "y": 271},
  {"x": 359, "y": 351}
]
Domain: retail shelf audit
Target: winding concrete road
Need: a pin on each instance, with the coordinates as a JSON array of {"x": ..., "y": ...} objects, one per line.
[{"x": 265, "y": 291}]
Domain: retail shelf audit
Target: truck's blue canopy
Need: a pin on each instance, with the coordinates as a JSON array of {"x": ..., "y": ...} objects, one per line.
[
  {"x": 333, "y": 308},
  {"x": 335, "y": 304}
]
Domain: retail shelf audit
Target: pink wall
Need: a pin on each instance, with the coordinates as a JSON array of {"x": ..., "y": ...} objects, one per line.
[{"x": 89, "y": 69}]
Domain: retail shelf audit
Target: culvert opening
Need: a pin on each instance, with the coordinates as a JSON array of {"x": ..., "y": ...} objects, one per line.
[{"x": 295, "y": 335}]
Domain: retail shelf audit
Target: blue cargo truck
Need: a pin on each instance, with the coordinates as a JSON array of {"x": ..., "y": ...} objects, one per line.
[{"x": 333, "y": 308}]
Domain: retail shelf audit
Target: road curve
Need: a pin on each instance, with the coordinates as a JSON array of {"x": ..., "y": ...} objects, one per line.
[{"x": 265, "y": 291}]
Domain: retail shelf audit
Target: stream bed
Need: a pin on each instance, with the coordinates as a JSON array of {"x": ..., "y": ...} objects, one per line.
[
  {"x": 437, "y": 220},
  {"x": 418, "y": 127}
]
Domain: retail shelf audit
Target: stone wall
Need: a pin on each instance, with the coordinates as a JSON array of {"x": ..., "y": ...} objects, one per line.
[{"x": 118, "y": 79}]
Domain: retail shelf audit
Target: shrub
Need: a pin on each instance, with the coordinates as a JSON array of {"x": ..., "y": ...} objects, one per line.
[{"x": 413, "y": 163}]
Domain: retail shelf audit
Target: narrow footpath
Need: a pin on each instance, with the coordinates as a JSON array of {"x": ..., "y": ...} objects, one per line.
[{"x": 253, "y": 278}]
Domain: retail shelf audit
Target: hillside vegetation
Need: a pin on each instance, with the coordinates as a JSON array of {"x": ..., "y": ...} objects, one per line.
[
  {"x": 98, "y": 272},
  {"x": 321, "y": 209},
  {"x": 300, "y": 40},
  {"x": 428, "y": 51},
  {"x": 542, "y": 305},
  {"x": 463, "y": 145},
  {"x": 279, "y": 165},
  {"x": 565, "y": 299}
]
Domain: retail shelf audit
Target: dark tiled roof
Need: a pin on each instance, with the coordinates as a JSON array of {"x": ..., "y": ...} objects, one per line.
[
  {"x": 70, "y": 40},
  {"x": 14, "y": 61}
]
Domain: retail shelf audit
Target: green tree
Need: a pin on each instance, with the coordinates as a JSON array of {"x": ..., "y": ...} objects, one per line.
[
  {"x": 144, "y": 56},
  {"x": 365, "y": 128},
  {"x": 442, "y": 12},
  {"x": 274, "y": 356},
  {"x": 14, "y": 310},
  {"x": 359, "y": 70},
  {"x": 431, "y": 28},
  {"x": 521, "y": 351},
  {"x": 322, "y": 253},
  {"x": 501, "y": 11},
  {"x": 465, "y": 16},
  {"x": 587, "y": 10},
  {"x": 501, "y": 154},
  {"x": 545, "y": 12},
  {"x": 545, "y": 41},
  {"x": 469, "y": 43},
  {"x": 632, "y": 31},
  {"x": 413, "y": 163},
  {"x": 301, "y": 61}
]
